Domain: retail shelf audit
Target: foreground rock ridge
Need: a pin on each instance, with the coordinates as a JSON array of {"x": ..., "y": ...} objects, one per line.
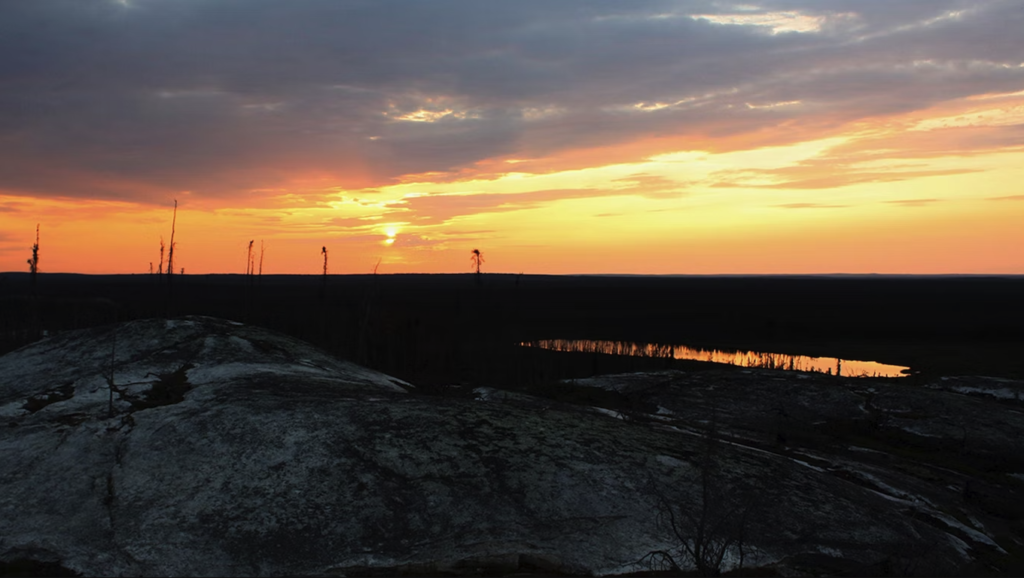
[{"x": 199, "y": 446}]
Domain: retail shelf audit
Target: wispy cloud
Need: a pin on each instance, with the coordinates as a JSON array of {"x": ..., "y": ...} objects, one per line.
[
  {"x": 914, "y": 202},
  {"x": 810, "y": 206},
  {"x": 841, "y": 178},
  {"x": 437, "y": 208}
]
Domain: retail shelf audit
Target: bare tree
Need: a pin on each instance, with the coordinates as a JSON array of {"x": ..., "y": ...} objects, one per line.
[
  {"x": 712, "y": 530},
  {"x": 261, "y": 260},
  {"x": 323, "y": 283},
  {"x": 160, "y": 271},
  {"x": 477, "y": 258},
  {"x": 170, "y": 252},
  {"x": 248, "y": 261},
  {"x": 33, "y": 263}
]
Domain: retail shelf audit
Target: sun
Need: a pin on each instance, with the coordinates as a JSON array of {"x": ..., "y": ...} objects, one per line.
[{"x": 391, "y": 231}]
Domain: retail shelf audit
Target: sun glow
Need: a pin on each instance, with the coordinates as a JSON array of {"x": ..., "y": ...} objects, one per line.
[{"x": 847, "y": 203}]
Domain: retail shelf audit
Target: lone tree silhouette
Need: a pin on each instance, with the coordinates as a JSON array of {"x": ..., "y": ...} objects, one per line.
[
  {"x": 33, "y": 263},
  {"x": 248, "y": 262},
  {"x": 477, "y": 258},
  {"x": 160, "y": 270}
]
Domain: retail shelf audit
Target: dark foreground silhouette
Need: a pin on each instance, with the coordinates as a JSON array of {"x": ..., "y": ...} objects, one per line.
[{"x": 465, "y": 329}]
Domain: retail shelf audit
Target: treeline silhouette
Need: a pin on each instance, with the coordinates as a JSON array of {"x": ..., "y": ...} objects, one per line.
[{"x": 466, "y": 329}]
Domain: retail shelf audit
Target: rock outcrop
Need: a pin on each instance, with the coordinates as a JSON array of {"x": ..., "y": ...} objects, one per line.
[{"x": 205, "y": 447}]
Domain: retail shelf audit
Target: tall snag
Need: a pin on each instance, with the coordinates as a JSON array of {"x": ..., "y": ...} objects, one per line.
[
  {"x": 323, "y": 284},
  {"x": 260, "y": 275},
  {"x": 170, "y": 252},
  {"x": 33, "y": 263}
]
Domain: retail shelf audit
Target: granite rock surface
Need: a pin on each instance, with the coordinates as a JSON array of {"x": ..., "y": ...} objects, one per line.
[{"x": 200, "y": 446}]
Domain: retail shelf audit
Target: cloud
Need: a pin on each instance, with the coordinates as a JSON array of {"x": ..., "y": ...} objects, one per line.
[
  {"x": 353, "y": 222},
  {"x": 1007, "y": 198},
  {"x": 810, "y": 206},
  {"x": 853, "y": 178},
  {"x": 233, "y": 99},
  {"x": 437, "y": 208},
  {"x": 914, "y": 202},
  {"x": 651, "y": 186},
  {"x": 790, "y": 178}
]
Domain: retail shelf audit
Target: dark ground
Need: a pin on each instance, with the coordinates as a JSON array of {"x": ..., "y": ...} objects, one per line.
[
  {"x": 439, "y": 331},
  {"x": 456, "y": 329}
]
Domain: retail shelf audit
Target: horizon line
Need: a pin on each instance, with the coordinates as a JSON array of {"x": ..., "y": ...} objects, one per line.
[{"x": 523, "y": 273}]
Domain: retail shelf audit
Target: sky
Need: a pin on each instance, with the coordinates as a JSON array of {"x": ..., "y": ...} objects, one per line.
[{"x": 636, "y": 137}]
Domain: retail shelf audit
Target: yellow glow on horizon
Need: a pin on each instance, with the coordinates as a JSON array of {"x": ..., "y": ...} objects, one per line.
[{"x": 893, "y": 195}]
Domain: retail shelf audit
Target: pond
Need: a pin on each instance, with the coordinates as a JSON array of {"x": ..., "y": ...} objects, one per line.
[{"x": 829, "y": 365}]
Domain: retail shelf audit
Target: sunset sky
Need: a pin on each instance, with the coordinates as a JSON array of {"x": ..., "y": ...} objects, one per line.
[{"x": 655, "y": 137}]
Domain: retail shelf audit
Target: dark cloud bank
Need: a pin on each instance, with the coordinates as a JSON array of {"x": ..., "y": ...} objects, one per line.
[{"x": 140, "y": 99}]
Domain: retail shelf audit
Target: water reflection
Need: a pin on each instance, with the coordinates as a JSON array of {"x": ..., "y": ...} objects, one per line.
[{"x": 829, "y": 365}]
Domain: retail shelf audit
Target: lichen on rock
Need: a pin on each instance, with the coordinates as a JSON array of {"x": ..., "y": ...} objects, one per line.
[{"x": 225, "y": 449}]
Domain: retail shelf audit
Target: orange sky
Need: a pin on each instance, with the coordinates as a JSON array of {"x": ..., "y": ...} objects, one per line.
[{"x": 727, "y": 181}]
